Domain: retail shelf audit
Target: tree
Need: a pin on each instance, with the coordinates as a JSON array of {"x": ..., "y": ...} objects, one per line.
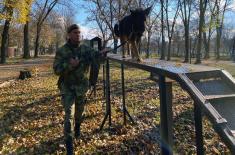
[
  {"x": 12, "y": 11},
  {"x": 94, "y": 16},
  {"x": 26, "y": 30},
  {"x": 109, "y": 12},
  {"x": 151, "y": 22},
  {"x": 59, "y": 20},
  {"x": 163, "y": 47},
  {"x": 202, "y": 8},
  {"x": 43, "y": 10},
  {"x": 210, "y": 25},
  {"x": 8, "y": 13},
  {"x": 233, "y": 49},
  {"x": 170, "y": 28},
  {"x": 219, "y": 23},
  {"x": 185, "y": 12}
]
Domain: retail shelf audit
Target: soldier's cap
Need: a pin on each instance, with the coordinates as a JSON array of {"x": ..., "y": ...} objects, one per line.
[{"x": 72, "y": 27}]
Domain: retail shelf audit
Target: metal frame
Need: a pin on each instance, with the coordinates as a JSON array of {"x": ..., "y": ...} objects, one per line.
[
  {"x": 124, "y": 109},
  {"x": 107, "y": 96}
]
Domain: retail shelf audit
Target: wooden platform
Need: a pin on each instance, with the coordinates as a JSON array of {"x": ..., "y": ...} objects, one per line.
[{"x": 211, "y": 88}]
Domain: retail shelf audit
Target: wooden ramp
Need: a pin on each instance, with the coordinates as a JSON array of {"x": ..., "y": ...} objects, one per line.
[
  {"x": 215, "y": 92},
  {"x": 212, "y": 89}
]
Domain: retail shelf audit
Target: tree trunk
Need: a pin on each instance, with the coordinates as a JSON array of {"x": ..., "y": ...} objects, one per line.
[
  {"x": 37, "y": 41},
  {"x": 186, "y": 27},
  {"x": 194, "y": 48},
  {"x": 169, "y": 50},
  {"x": 158, "y": 46},
  {"x": 206, "y": 45},
  {"x": 26, "y": 41},
  {"x": 201, "y": 22},
  {"x": 162, "y": 32},
  {"x": 4, "y": 44},
  {"x": 148, "y": 45},
  {"x": 218, "y": 37},
  {"x": 218, "y": 26},
  {"x": 115, "y": 45},
  {"x": 233, "y": 50}
]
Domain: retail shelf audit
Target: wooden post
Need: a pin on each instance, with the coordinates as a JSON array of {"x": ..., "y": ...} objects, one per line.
[
  {"x": 166, "y": 116},
  {"x": 198, "y": 128}
]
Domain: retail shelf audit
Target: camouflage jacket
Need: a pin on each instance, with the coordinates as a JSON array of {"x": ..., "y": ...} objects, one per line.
[{"x": 71, "y": 76}]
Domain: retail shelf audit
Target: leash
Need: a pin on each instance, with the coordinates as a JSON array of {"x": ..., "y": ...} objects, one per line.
[
  {"x": 122, "y": 44},
  {"x": 108, "y": 51}
]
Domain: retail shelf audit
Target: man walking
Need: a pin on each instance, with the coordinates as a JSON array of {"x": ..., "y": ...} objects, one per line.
[{"x": 72, "y": 62}]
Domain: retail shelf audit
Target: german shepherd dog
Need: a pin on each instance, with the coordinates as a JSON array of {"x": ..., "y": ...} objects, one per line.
[{"x": 130, "y": 29}]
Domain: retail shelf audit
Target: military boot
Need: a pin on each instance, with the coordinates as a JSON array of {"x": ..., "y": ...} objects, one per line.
[{"x": 69, "y": 146}]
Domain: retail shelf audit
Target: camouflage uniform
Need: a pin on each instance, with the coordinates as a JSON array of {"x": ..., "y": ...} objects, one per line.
[{"x": 73, "y": 84}]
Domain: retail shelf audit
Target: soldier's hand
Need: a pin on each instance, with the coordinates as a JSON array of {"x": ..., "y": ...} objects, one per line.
[{"x": 74, "y": 62}]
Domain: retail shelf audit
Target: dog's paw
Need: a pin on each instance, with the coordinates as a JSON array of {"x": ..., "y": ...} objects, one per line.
[
  {"x": 139, "y": 60},
  {"x": 124, "y": 56}
]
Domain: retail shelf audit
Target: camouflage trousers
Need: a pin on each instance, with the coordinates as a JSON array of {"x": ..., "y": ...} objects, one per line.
[{"x": 73, "y": 103}]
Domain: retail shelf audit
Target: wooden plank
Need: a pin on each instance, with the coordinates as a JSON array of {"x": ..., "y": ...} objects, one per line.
[
  {"x": 204, "y": 75},
  {"x": 214, "y": 87},
  {"x": 154, "y": 77},
  {"x": 229, "y": 79},
  {"x": 211, "y": 97},
  {"x": 233, "y": 132},
  {"x": 161, "y": 67}
]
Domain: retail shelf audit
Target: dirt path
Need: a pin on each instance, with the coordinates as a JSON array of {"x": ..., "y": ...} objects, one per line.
[{"x": 11, "y": 71}]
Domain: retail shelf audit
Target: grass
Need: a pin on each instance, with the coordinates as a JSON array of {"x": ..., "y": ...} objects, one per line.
[{"x": 31, "y": 118}]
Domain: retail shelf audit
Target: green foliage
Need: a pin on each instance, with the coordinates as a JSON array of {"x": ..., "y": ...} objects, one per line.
[{"x": 20, "y": 8}]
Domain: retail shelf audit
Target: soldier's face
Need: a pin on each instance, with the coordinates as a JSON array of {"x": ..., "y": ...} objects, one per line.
[{"x": 74, "y": 36}]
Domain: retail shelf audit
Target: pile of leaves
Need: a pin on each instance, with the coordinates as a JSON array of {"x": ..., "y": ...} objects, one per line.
[{"x": 31, "y": 118}]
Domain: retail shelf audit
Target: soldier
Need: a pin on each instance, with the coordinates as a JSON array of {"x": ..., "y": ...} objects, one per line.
[{"x": 72, "y": 63}]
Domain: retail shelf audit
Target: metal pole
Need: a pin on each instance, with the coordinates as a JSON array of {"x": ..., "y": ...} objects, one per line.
[
  {"x": 124, "y": 109},
  {"x": 108, "y": 105},
  {"x": 123, "y": 95}
]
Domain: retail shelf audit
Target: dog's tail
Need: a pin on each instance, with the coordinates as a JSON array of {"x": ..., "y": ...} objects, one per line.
[{"x": 116, "y": 30}]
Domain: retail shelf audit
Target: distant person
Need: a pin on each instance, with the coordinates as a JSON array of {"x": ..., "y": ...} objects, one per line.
[{"x": 72, "y": 62}]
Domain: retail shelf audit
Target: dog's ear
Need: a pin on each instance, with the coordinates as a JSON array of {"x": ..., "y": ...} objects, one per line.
[{"x": 147, "y": 11}]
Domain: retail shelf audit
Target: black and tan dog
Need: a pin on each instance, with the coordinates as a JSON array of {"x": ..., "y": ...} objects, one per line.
[{"x": 130, "y": 29}]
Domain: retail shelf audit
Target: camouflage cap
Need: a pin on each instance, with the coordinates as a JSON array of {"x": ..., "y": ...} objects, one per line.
[{"x": 72, "y": 27}]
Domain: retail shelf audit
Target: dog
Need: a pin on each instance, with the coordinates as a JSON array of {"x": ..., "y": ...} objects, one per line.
[{"x": 130, "y": 29}]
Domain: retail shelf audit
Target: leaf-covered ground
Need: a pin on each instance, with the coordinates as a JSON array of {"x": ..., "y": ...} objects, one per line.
[{"x": 31, "y": 118}]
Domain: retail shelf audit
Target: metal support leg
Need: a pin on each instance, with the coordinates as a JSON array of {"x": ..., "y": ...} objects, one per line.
[
  {"x": 198, "y": 127},
  {"x": 125, "y": 111},
  {"x": 108, "y": 105},
  {"x": 166, "y": 116}
]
